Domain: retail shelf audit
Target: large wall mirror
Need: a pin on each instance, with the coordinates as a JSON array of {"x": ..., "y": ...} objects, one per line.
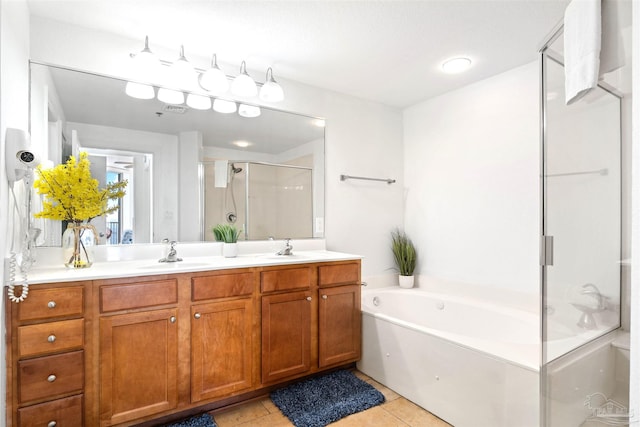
[{"x": 188, "y": 169}]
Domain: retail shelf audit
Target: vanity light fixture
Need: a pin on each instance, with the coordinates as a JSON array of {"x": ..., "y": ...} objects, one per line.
[
  {"x": 198, "y": 102},
  {"x": 177, "y": 79},
  {"x": 456, "y": 65},
  {"x": 249, "y": 111},
  {"x": 214, "y": 79},
  {"x": 243, "y": 84},
  {"x": 271, "y": 91},
  {"x": 224, "y": 106}
]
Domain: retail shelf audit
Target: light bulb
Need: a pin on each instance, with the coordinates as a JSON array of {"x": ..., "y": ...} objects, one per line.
[
  {"x": 249, "y": 111},
  {"x": 198, "y": 102},
  {"x": 271, "y": 91},
  {"x": 170, "y": 96},
  {"x": 139, "y": 90},
  {"x": 224, "y": 106},
  {"x": 214, "y": 80},
  {"x": 243, "y": 84}
]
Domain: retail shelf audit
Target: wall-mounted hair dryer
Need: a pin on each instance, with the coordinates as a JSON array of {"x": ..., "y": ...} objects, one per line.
[{"x": 20, "y": 159}]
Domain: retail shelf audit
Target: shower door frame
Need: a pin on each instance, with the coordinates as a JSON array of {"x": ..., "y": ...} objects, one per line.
[{"x": 546, "y": 244}]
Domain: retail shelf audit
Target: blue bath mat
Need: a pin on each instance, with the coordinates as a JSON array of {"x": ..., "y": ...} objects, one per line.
[
  {"x": 319, "y": 401},
  {"x": 204, "y": 420}
]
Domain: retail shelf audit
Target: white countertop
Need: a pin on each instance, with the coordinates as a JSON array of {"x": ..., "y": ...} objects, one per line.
[{"x": 149, "y": 266}]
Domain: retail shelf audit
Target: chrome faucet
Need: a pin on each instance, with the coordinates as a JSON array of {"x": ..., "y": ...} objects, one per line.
[
  {"x": 287, "y": 250},
  {"x": 587, "y": 321},
  {"x": 172, "y": 254}
]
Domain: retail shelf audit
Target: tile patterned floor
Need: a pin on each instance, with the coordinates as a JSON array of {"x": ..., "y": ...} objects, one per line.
[{"x": 395, "y": 412}]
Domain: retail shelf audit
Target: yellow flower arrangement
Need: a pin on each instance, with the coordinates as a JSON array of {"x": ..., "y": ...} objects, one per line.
[{"x": 72, "y": 194}]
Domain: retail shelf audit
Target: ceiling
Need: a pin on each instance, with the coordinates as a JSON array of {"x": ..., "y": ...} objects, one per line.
[{"x": 384, "y": 51}]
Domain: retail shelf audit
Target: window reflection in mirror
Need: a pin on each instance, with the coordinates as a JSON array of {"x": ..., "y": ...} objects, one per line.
[{"x": 163, "y": 146}]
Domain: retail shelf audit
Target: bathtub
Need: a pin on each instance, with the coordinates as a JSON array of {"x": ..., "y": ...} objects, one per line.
[{"x": 468, "y": 362}]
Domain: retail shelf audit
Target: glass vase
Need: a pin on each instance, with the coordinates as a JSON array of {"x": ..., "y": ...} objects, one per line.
[{"x": 78, "y": 241}]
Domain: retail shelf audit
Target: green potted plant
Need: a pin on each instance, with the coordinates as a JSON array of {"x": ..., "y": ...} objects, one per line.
[
  {"x": 404, "y": 254},
  {"x": 228, "y": 235}
]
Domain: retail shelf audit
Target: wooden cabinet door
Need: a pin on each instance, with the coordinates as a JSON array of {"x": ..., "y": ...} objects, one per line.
[
  {"x": 221, "y": 355},
  {"x": 339, "y": 325},
  {"x": 286, "y": 335},
  {"x": 138, "y": 365}
]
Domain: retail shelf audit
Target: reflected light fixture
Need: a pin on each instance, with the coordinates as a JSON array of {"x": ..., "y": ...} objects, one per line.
[
  {"x": 170, "y": 96},
  {"x": 456, "y": 65},
  {"x": 271, "y": 91},
  {"x": 241, "y": 143},
  {"x": 224, "y": 106},
  {"x": 249, "y": 111},
  {"x": 198, "y": 102},
  {"x": 139, "y": 90},
  {"x": 319, "y": 123},
  {"x": 214, "y": 79},
  {"x": 243, "y": 84}
]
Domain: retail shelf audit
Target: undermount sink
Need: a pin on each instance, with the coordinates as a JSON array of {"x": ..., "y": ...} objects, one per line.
[
  {"x": 170, "y": 265},
  {"x": 283, "y": 257}
]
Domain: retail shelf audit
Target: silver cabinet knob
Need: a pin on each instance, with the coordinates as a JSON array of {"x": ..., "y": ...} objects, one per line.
[
  {"x": 51, "y": 378},
  {"x": 324, "y": 297},
  {"x": 51, "y": 338},
  {"x": 172, "y": 319},
  {"x": 197, "y": 315},
  {"x": 308, "y": 298},
  {"x": 51, "y": 304},
  {"x": 52, "y": 424}
]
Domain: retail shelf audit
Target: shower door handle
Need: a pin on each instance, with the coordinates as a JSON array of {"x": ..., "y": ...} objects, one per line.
[{"x": 546, "y": 251}]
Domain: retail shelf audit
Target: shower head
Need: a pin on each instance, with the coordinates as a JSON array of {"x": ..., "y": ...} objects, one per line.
[{"x": 234, "y": 169}]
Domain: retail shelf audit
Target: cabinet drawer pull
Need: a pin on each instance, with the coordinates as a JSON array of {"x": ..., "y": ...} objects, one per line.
[
  {"x": 197, "y": 315},
  {"x": 51, "y": 378},
  {"x": 51, "y": 304},
  {"x": 51, "y": 338},
  {"x": 172, "y": 319},
  {"x": 308, "y": 298},
  {"x": 324, "y": 297},
  {"x": 52, "y": 424}
]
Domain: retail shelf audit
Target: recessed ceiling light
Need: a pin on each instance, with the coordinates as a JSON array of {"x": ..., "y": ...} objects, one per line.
[
  {"x": 456, "y": 65},
  {"x": 241, "y": 144}
]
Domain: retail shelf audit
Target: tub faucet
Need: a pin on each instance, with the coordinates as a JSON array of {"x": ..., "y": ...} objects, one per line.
[
  {"x": 592, "y": 290},
  {"x": 172, "y": 254},
  {"x": 287, "y": 250}
]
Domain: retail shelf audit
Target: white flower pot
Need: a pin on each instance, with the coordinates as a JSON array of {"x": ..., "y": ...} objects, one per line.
[
  {"x": 405, "y": 281},
  {"x": 230, "y": 250}
]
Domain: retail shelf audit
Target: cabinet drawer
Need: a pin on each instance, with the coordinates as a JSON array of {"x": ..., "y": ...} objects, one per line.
[
  {"x": 338, "y": 274},
  {"x": 65, "y": 412},
  {"x": 138, "y": 295},
  {"x": 51, "y": 303},
  {"x": 50, "y": 337},
  {"x": 50, "y": 376},
  {"x": 221, "y": 286},
  {"x": 285, "y": 279}
]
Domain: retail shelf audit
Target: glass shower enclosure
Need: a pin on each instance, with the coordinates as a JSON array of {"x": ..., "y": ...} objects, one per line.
[
  {"x": 580, "y": 252},
  {"x": 263, "y": 200}
]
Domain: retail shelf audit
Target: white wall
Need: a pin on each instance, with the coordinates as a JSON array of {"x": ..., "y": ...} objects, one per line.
[
  {"x": 362, "y": 138},
  {"x": 472, "y": 180},
  {"x": 14, "y": 112}
]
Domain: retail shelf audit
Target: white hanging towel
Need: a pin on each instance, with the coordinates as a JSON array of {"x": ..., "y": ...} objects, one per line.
[
  {"x": 582, "y": 41},
  {"x": 220, "y": 171}
]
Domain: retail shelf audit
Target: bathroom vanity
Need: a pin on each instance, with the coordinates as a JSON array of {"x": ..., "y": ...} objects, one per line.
[{"x": 123, "y": 348}]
